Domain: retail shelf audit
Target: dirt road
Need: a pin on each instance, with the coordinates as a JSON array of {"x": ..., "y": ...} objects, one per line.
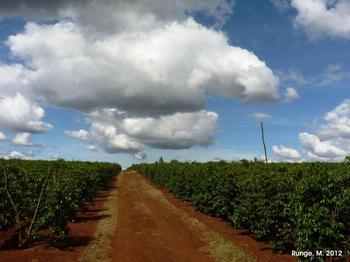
[
  {"x": 154, "y": 226},
  {"x": 148, "y": 230},
  {"x": 136, "y": 220}
]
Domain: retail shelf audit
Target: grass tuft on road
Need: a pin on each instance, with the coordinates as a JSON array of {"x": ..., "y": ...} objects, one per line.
[
  {"x": 100, "y": 248},
  {"x": 224, "y": 251}
]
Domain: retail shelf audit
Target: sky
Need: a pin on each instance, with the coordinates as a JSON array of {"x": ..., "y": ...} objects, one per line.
[{"x": 131, "y": 81}]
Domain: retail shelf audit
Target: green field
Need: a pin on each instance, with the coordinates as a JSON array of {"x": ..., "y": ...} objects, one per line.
[{"x": 302, "y": 206}]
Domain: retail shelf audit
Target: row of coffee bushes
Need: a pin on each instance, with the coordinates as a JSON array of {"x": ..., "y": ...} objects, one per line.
[
  {"x": 38, "y": 194},
  {"x": 305, "y": 206}
]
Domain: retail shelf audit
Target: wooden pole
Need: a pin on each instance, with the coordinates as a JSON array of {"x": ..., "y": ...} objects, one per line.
[
  {"x": 263, "y": 140},
  {"x": 28, "y": 237}
]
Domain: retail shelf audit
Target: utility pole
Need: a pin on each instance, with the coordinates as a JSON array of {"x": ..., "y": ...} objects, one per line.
[{"x": 263, "y": 140}]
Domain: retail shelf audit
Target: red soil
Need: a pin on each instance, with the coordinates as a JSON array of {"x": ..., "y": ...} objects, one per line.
[
  {"x": 258, "y": 250},
  {"x": 81, "y": 233},
  {"x": 147, "y": 230}
]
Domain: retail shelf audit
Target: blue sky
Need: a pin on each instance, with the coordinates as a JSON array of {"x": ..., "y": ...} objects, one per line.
[{"x": 306, "y": 55}]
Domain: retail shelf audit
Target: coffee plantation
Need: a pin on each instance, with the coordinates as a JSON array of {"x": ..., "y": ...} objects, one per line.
[
  {"x": 36, "y": 195},
  {"x": 304, "y": 206}
]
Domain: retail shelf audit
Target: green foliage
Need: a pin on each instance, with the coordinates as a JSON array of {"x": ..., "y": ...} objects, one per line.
[
  {"x": 305, "y": 205},
  {"x": 322, "y": 204},
  {"x": 69, "y": 186}
]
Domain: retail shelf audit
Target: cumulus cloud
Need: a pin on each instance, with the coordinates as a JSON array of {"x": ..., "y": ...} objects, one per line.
[
  {"x": 337, "y": 123},
  {"x": 149, "y": 60},
  {"x": 178, "y": 131},
  {"x": 14, "y": 79},
  {"x": 322, "y": 149},
  {"x": 17, "y": 155},
  {"x": 286, "y": 153},
  {"x": 111, "y": 140},
  {"x": 106, "y": 136},
  {"x": 330, "y": 141},
  {"x": 323, "y": 17},
  {"x": 79, "y": 134},
  {"x": 115, "y": 133},
  {"x": 140, "y": 155},
  {"x": 19, "y": 114},
  {"x": 22, "y": 139},
  {"x": 291, "y": 94},
  {"x": 162, "y": 71}
]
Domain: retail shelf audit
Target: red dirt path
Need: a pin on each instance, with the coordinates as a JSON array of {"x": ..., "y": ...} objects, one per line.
[
  {"x": 258, "y": 250},
  {"x": 147, "y": 230}
]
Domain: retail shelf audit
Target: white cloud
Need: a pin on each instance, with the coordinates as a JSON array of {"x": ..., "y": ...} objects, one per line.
[
  {"x": 119, "y": 134},
  {"x": 331, "y": 141},
  {"x": 161, "y": 71},
  {"x": 14, "y": 78},
  {"x": 2, "y": 136},
  {"x": 19, "y": 114},
  {"x": 322, "y": 149},
  {"x": 80, "y": 134},
  {"x": 260, "y": 115},
  {"x": 323, "y": 17},
  {"x": 291, "y": 94},
  {"x": 281, "y": 5},
  {"x": 140, "y": 155},
  {"x": 178, "y": 131},
  {"x": 22, "y": 139},
  {"x": 148, "y": 60},
  {"x": 337, "y": 123},
  {"x": 106, "y": 135},
  {"x": 16, "y": 155},
  {"x": 286, "y": 153}
]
